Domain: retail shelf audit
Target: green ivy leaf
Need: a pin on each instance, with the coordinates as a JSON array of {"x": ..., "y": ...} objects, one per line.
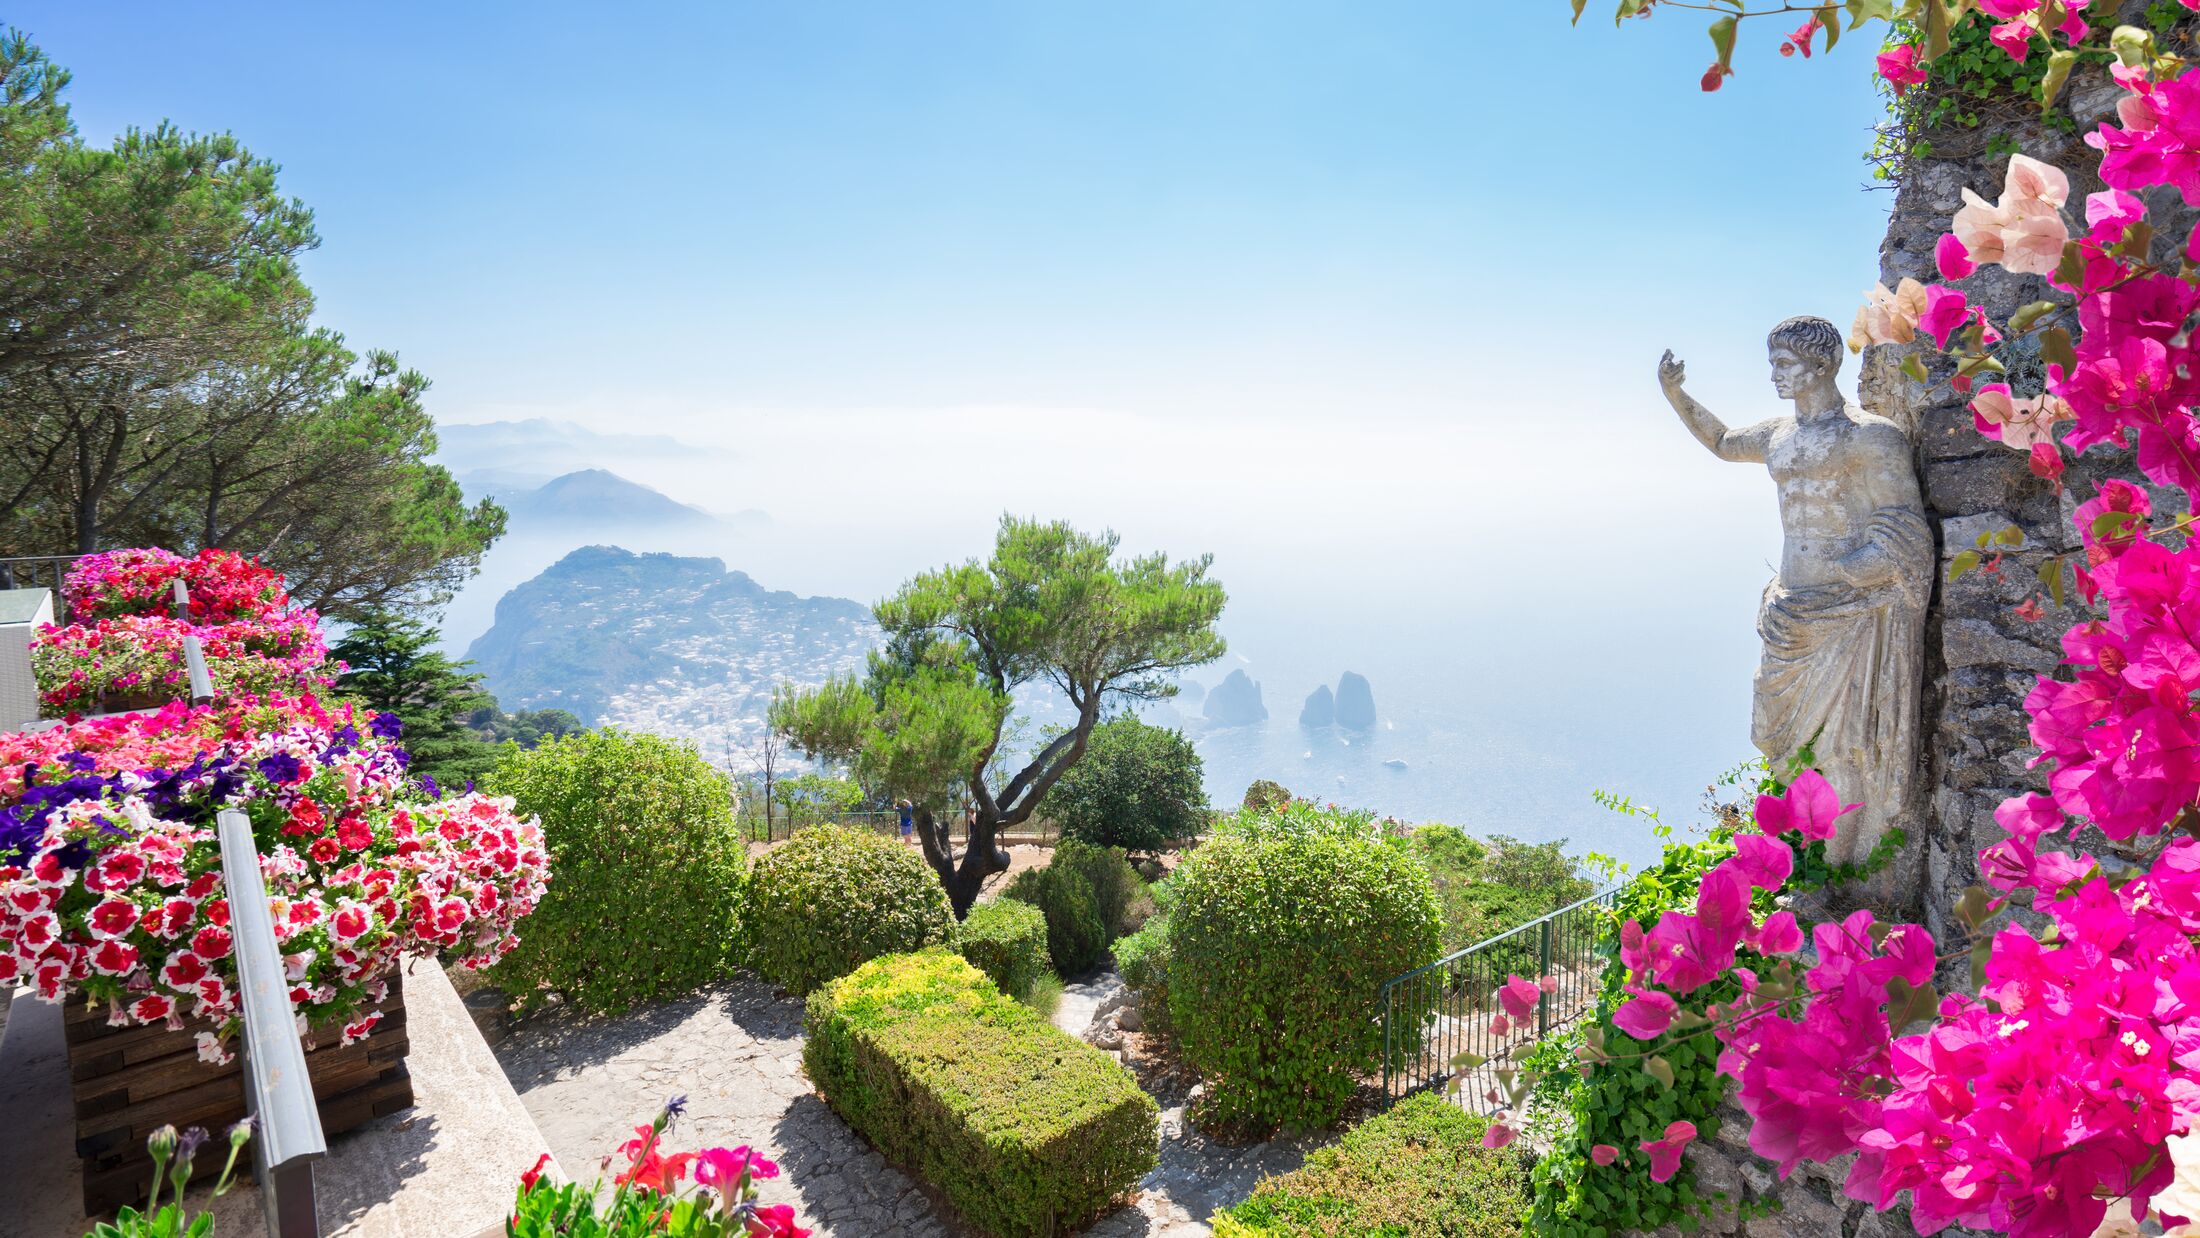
[
  {"x": 1661, "y": 1070},
  {"x": 1829, "y": 20},
  {"x": 1861, "y": 11},
  {"x": 2056, "y": 349},
  {"x": 1914, "y": 367},
  {"x": 1722, "y": 38},
  {"x": 2059, "y": 65},
  {"x": 1964, "y": 561}
]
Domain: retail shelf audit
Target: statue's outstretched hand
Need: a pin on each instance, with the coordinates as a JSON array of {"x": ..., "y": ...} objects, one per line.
[{"x": 1672, "y": 373}]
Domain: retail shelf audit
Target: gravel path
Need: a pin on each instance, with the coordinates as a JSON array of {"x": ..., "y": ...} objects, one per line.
[{"x": 736, "y": 1052}]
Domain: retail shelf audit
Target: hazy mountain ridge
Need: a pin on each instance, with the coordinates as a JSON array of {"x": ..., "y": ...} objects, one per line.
[{"x": 664, "y": 643}]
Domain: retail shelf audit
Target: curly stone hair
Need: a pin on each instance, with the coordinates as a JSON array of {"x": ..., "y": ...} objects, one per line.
[{"x": 1809, "y": 336}]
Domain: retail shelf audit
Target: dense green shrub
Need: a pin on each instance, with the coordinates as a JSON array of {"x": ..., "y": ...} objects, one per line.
[
  {"x": 1007, "y": 940},
  {"x": 645, "y": 870},
  {"x": 831, "y": 897},
  {"x": 1118, "y": 892},
  {"x": 1076, "y": 934},
  {"x": 1024, "y": 1128},
  {"x": 1265, "y": 796},
  {"x": 1279, "y": 945},
  {"x": 1142, "y": 959},
  {"x": 1418, "y": 1171},
  {"x": 1138, "y": 787}
]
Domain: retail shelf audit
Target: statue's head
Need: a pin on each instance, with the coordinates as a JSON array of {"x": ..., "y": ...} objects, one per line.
[{"x": 1805, "y": 351}]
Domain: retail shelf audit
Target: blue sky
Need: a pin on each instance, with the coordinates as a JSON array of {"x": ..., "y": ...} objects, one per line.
[{"x": 1365, "y": 299}]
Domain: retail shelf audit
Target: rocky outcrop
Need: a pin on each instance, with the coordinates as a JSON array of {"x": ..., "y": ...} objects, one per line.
[
  {"x": 1355, "y": 702},
  {"x": 1320, "y": 708},
  {"x": 1235, "y": 701}
]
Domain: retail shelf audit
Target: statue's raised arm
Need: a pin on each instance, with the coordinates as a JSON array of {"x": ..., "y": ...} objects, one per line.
[{"x": 1746, "y": 445}]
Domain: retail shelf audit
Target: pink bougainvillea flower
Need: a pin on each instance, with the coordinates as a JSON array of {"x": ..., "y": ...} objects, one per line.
[
  {"x": 1665, "y": 1152},
  {"x": 1780, "y": 934},
  {"x": 1800, "y": 40},
  {"x": 1603, "y": 1154},
  {"x": 2013, "y": 37},
  {"x": 1809, "y": 805},
  {"x": 1498, "y": 1135},
  {"x": 1764, "y": 860},
  {"x": 1519, "y": 996},
  {"x": 2018, "y": 423},
  {"x": 1952, "y": 259},
  {"x": 776, "y": 1221},
  {"x": 1646, "y": 1015},
  {"x": 1901, "y": 69},
  {"x": 1946, "y": 310},
  {"x": 1715, "y": 77}
]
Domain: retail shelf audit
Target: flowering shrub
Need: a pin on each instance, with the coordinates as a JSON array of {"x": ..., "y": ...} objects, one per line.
[
  {"x": 125, "y": 641},
  {"x": 110, "y": 867},
  {"x": 649, "y": 1199},
  {"x": 2045, "y": 1104},
  {"x": 224, "y": 586}
]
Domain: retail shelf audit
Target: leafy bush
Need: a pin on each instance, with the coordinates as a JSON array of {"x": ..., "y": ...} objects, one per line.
[
  {"x": 1279, "y": 945},
  {"x": 646, "y": 870},
  {"x": 1076, "y": 934},
  {"x": 1265, "y": 796},
  {"x": 831, "y": 897},
  {"x": 1142, "y": 959},
  {"x": 1024, "y": 1128},
  {"x": 1138, "y": 787},
  {"x": 1007, "y": 940},
  {"x": 1418, "y": 1171},
  {"x": 1090, "y": 896},
  {"x": 1117, "y": 889}
]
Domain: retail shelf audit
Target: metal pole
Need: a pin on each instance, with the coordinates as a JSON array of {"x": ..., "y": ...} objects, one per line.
[
  {"x": 1543, "y": 998},
  {"x": 277, "y": 1089},
  {"x": 194, "y": 658}
]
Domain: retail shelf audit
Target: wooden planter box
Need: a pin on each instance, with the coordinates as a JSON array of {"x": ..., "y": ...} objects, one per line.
[{"x": 127, "y": 1082}]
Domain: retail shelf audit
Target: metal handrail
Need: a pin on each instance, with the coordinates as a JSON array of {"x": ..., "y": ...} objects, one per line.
[
  {"x": 1434, "y": 990},
  {"x": 23, "y": 572},
  {"x": 278, "y": 1089}
]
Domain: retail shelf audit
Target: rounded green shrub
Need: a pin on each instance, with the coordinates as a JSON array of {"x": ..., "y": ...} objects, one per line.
[
  {"x": 645, "y": 870},
  {"x": 1138, "y": 786},
  {"x": 1076, "y": 934},
  {"x": 832, "y": 898},
  {"x": 1007, "y": 940},
  {"x": 1142, "y": 959},
  {"x": 1279, "y": 945}
]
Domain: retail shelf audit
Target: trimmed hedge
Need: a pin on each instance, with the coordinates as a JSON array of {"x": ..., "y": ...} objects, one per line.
[
  {"x": 830, "y": 898},
  {"x": 1026, "y": 1129},
  {"x": 646, "y": 870},
  {"x": 1418, "y": 1171},
  {"x": 1115, "y": 885},
  {"x": 1007, "y": 940},
  {"x": 1279, "y": 945}
]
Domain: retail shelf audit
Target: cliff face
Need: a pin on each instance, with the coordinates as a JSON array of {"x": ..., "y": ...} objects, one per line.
[
  {"x": 656, "y": 642},
  {"x": 1320, "y": 708},
  {"x": 1355, "y": 702}
]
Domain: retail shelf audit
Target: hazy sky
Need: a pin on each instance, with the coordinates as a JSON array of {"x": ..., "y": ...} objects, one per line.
[{"x": 1365, "y": 299}]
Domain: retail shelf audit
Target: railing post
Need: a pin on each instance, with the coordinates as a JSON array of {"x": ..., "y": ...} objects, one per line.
[
  {"x": 1543, "y": 969},
  {"x": 277, "y": 1089}
]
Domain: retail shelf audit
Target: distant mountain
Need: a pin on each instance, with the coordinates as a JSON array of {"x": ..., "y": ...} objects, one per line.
[
  {"x": 600, "y": 497},
  {"x": 1235, "y": 701},
  {"x": 656, "y": 642}
]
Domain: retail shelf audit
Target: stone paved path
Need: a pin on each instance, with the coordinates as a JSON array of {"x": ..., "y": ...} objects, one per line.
[{"x": 736, "y": 1052}]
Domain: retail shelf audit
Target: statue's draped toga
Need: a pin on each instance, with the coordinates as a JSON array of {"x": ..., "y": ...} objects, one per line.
[{"x": 1841, "y": 673}]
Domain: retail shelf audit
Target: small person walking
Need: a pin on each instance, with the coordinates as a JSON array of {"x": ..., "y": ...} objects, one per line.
[{"x": 908, "y": 821}]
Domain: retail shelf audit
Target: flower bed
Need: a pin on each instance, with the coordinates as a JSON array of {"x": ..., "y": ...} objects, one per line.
[
  {"x": 124, "y": 646},
  {"x": 1025, "y": 1129},
  {"x": 111, "y": 888}
]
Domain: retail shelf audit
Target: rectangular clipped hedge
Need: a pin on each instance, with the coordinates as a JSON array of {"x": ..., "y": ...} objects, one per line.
[{"x": 1027, "y": 1130}]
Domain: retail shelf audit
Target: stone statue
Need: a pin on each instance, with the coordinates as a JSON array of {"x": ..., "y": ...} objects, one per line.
[{"x": 1843, "y": 623}]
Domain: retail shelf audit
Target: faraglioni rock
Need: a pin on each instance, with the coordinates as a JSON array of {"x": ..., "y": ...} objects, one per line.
[
  {"x": 1235, "y": 701},
  {"x": 1320, "y": 709},
  {"x": 1355, "y": 702}
]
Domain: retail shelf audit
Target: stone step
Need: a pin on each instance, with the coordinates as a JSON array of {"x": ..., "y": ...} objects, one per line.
[{"x": 445, "y": 1168}]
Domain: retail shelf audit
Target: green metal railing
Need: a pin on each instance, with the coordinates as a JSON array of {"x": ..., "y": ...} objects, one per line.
[{"x": 1434, "y": 1014}]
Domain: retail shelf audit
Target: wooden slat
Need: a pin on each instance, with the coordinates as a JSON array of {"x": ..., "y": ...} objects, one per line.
[{"x": 129, "y": 1081}]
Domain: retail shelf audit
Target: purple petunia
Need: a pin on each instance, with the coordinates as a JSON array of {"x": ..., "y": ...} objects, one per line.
[
  {"x": 386, "y": 726},
  {"x": 281, "y": 769}
]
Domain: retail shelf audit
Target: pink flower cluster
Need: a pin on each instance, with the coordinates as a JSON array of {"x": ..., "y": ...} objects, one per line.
[
  {"x": 121, "y": 896},
  {"x": 125, "y": 642},
  {"x": 224, "y": 586}
]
